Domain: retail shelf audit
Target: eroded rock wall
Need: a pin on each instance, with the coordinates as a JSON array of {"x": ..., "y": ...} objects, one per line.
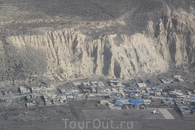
[
  {"x": 65, "y": 53},
  {"x": 137, "y": 40}
]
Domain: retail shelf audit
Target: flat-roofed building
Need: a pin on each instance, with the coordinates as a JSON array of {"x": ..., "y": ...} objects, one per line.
[
  {"x": 151, "y": 92},
  {"x": 42, "y": 89},
  {"x": 135, "y": 90},
  {"x": 141, "y": 85},
  {"x": 81, "y": 96},
  {"x": 184, "y": 110},
  {"x": 116, "y": 84},
  {"x": 166, "y": 81},
  {"x": 180, "y": 79},
  {"x": 24, "y": 90},
  {"x": 91, "y": 96},
  {"x": 177, "y": 76},
  {"x": 176, "y": 93},
  {"x": 147, "y": 101},
  {"x": 145, "y": 95},
  {"x": 68, "y": 90},
  {"x": 127, "y": 91},
  {"x": 97, "y": 84},
  {"x": 30, "y": 104},
  {"x": 168, "y": 101},
  {"x": 157, "y": 89},
  {"x": 69, "y": 96},
  {"x": 114, "y": 90}
]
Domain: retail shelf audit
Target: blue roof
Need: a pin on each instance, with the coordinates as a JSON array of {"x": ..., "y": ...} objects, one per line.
[
  {"x": 127, "y": 90},
  {"x": 69, "y": 94},
  {"x": 192, "y": 95},
  {"x": 150, "y": 91},
  {"x": 193, "y": 110},
  {"x": 136, "y": 101},
  {"x": 135, "y": 89},
  {"x": 154, "y": 86},
  {"x": 117, "y": 98},
  {"x": 135, "y": 104},
  {"x": 112, "y": 95},
  {"x": 118, "y": 102}
]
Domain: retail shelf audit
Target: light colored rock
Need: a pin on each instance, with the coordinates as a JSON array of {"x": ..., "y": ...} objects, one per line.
[
  {"x": 90, "y": 48},
  {"x": 73, "y": 54}
]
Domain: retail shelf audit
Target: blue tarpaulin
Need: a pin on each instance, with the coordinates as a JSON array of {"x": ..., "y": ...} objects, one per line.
[
  {"x": 136, "y": 102},
  {"x": 112, "y": 95},
  {"x": 135, "y": 89},
  {"x": 69, "y": 94},
  {"x": 118, "y": 102},
  {"x": 117, "y": 98},
  {"x": 193, "y": 110}
]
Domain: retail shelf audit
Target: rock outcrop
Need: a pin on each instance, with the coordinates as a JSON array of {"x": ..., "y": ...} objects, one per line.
[{"x": 69, "y": 53}]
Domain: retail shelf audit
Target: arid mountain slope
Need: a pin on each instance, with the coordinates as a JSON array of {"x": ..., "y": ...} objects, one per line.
[{"x": 70, "y": 38}]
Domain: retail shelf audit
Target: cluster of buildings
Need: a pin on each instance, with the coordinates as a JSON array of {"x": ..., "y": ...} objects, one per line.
[
  {"x": 140, "y": 96},
  {"x": 35, "y": 90},
  {"x": 116, "y": 95},
  {"x": 42, "y": 95},
  {"x": 50, "y": 99}
]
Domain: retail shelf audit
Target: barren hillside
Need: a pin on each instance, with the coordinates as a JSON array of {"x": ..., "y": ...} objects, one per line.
[{"x": 61, "y": 39}]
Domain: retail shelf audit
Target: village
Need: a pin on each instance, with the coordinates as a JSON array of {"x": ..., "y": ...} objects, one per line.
[{"x": 113, "y": 93}]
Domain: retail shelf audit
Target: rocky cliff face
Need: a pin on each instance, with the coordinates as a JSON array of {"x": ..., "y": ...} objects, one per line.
[
  {"x": 105, "y": 48},
  {"x": 68, "y": 52}
]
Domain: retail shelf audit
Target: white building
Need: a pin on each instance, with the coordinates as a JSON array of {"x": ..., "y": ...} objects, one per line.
[
  {"x": 97, "y": 84},
  {"x": 166, "y": 81},
  {"x": 116, "y": 84},
  {"x": 147, "y": 101},
  {"x": 42, "y": 90},
  {"x": 24, "y": 90},
  {"x": 180, "y": 79},
  {"x": 141, "y": 85},
  {"x": 91, "y": 96},
  {"x": 177, "y": 76}
]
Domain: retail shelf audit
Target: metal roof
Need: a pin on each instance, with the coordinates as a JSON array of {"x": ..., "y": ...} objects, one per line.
[
  {"x": 69, "y": 95},
  {"x": 193, "y": 110},
  {"x": 117, "y": 98},
  {"x": 116, "y": 102},
  {"x": 135, "y": 89},
  {"x": 136, "y": 101}
]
